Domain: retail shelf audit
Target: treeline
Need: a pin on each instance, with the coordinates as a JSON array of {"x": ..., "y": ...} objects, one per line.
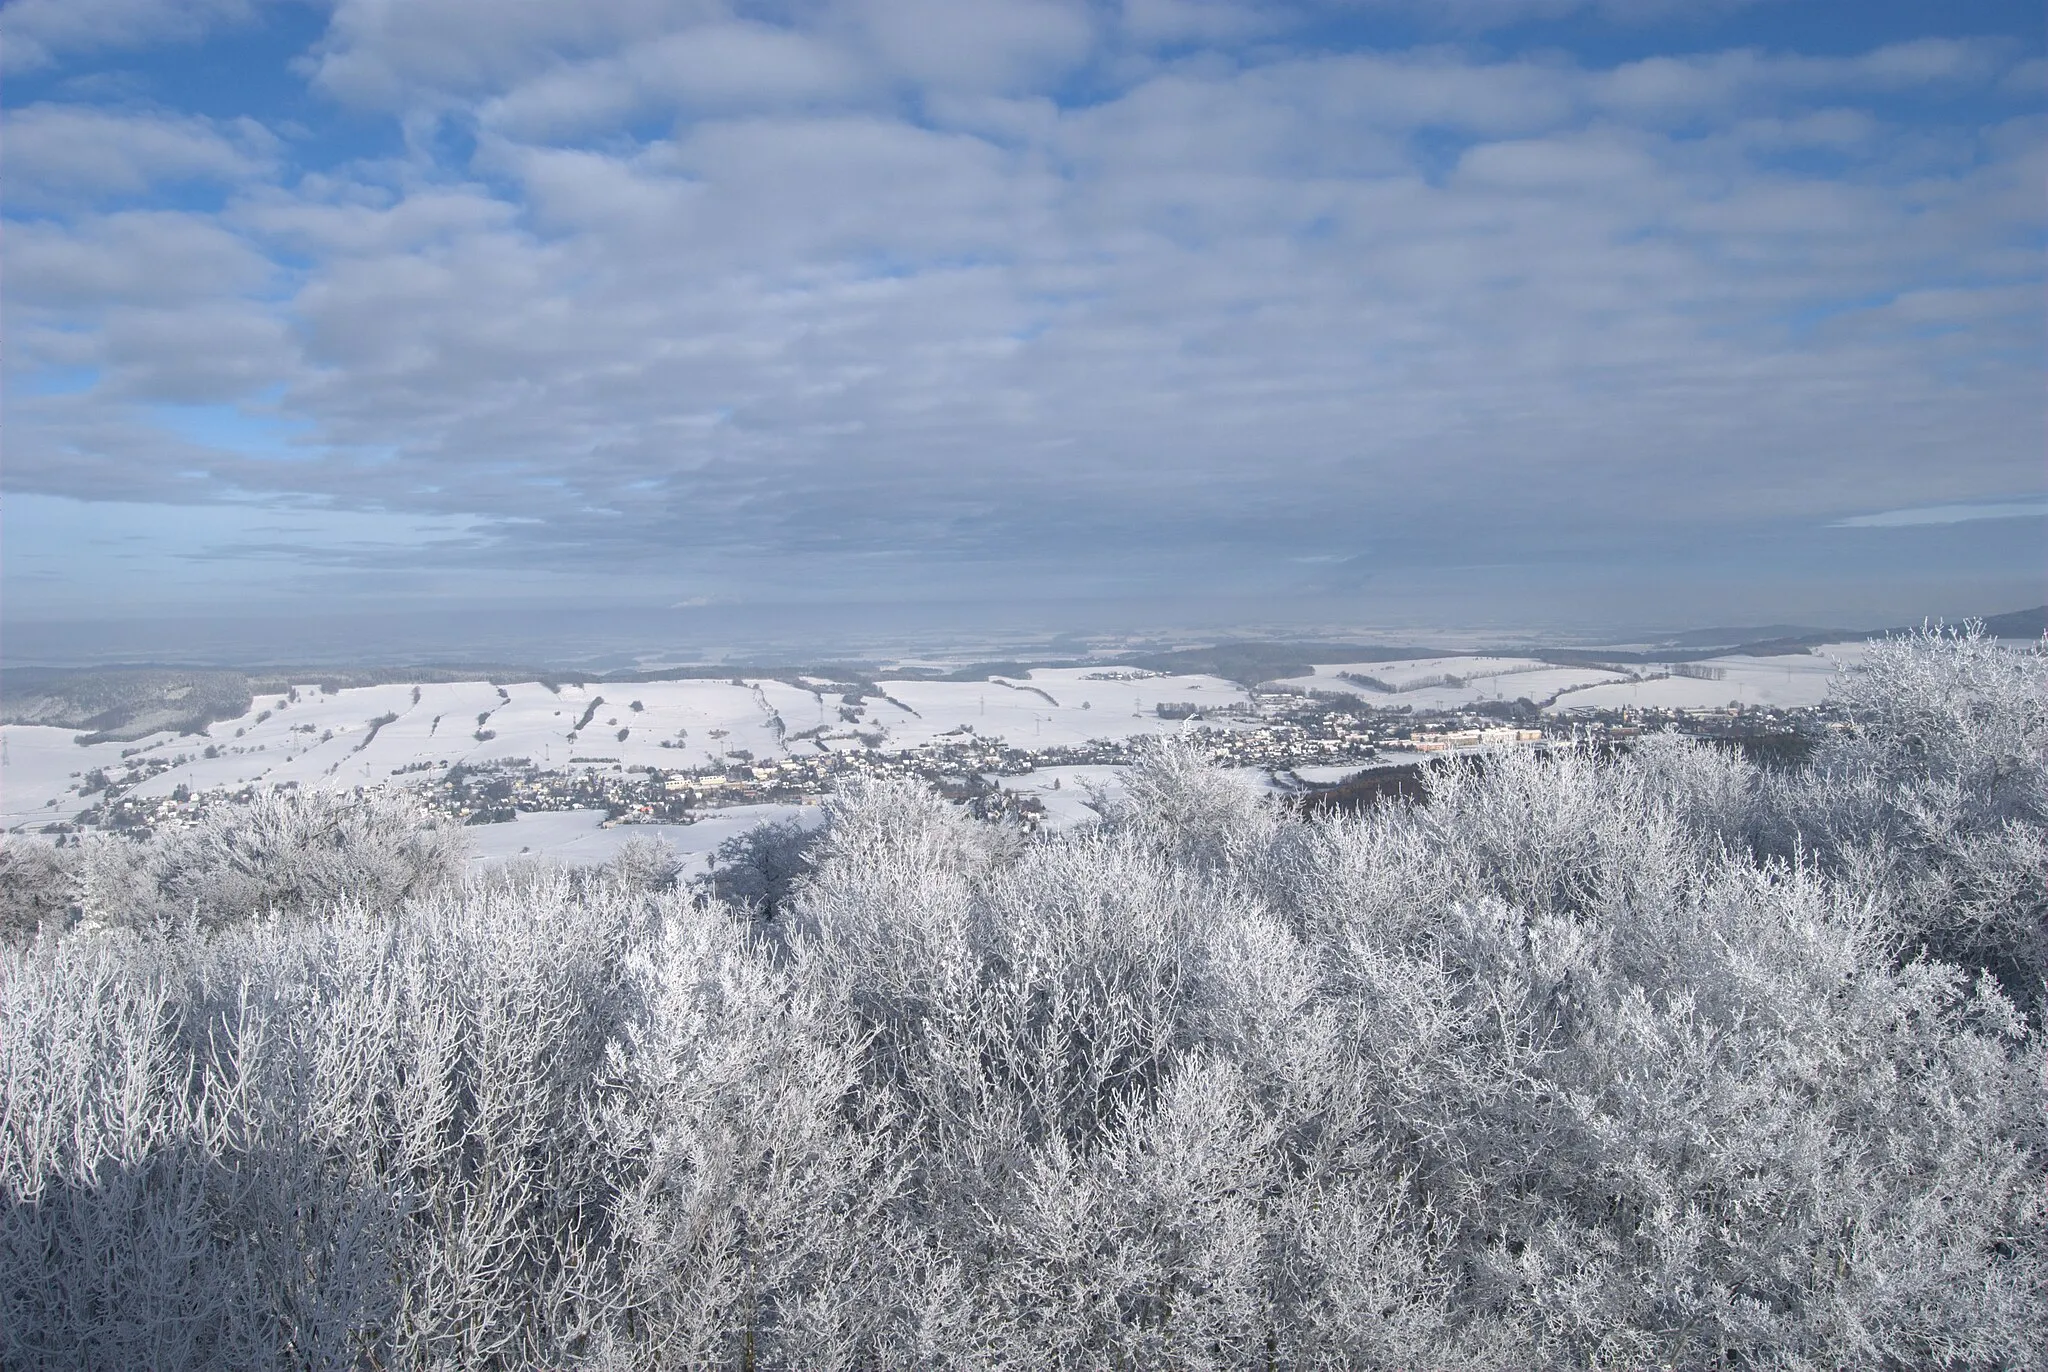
[{"x": 1659, "y": 1060}]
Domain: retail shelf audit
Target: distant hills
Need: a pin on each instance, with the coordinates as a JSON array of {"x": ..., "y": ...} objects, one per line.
[
  {"x": 128, "y": 703},
  {"x": 123, "y": 703},
  {"x": 2019, "y": 624}
]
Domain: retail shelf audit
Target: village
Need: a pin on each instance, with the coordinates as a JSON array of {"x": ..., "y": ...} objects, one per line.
[
  {"x": 674, "y": 753},
  {"x": 1302, "y": 745}
]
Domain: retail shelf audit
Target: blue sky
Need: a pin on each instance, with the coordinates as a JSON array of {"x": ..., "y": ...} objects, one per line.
[{"x": 1469, "y": 312}]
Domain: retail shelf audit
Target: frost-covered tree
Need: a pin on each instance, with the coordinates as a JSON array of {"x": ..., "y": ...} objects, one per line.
[
  {"x": 38, "y": 886},
  {"x": 758, "y": 868}
]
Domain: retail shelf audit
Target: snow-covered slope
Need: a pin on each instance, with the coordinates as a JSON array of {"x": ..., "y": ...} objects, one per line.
[
  {"x": 1784, "y": 682},
  {"x": 1448, "y": 683},
  {"x": 380, "y": 735}
]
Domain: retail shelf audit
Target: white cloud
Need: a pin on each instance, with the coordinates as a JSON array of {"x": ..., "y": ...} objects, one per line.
[
  {"x": 338, "y": 219},
  {"x": 1946, "y": 514},
  {"x": 1716, "y": 83},
  {"x": 141, "y": 257},
  {"x": 1486, "y": 14},
  {"x": 713, "y": 66},
  {"x": 994, "y": 46},
  {"x": 36, "y": 33},
  {"x": 394, "y": 53},
  {"x": 57, "y": 154},
  {"x": 1552, "y": 164},
  {"x": 871, "y": 299},
  {"x": 569, "y": 66},
  {"x": 1171, "y": 22},
  {"x": 213, "y": 351},
  {"x": 2026, "y": 80},
  {"x": 1927, "y": 61},
  {"x": 1431, "y": 89},
  {"x": 1835, "y": 128}
]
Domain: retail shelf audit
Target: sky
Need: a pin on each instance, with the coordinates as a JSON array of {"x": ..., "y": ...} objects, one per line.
[{"x": 387, "y": 319}]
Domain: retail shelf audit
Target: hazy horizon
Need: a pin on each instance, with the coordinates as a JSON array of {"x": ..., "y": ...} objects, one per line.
[{"x": 645, "y": 638}]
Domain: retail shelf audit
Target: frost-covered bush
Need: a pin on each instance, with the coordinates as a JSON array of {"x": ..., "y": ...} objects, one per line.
[
  {"x": 1938, "y": 792},
  {"x": 1203, "y": 818},
  {"x": 285, "y": 850},
  {"x": 1582, "y": 1064},
  {"x": 38, "y": 886},
  {"x": 296, "y": 1144},
  {"x": 1951, "y": 704},
  {"x": 644, "y": 864}
]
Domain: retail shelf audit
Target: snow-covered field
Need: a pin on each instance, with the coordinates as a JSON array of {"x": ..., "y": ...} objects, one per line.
[
  {"x": 1048, "y": 708},
  {"x": 37, "y": 764},
  {"x": 318, "y": 738},
  {"x": 1784, "y": 682},
  {"x": 1329, "y": 774},
  {"x": 1065, "y": 792},
  {"x": 1448, "y": 683}
]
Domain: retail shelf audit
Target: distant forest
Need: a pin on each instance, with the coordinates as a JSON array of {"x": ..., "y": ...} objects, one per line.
[{"x": 1661, "y": 1059}]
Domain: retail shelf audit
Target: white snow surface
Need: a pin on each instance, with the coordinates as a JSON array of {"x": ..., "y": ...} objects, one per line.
[
  {"x": 37, "y": 764},
  {"x": 1329, "y": 774},
  {"x": 1419, "y": 682},
  {"x": 1793, "y": 679},
  {"x": 1784, "y": 682},
  {"x": 579, "y": 838},
  {"x": 1047, "y": 708},
  {"x": 1066, "y": 791}
]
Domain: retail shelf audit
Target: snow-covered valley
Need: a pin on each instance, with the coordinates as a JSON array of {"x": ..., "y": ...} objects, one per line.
[{"x": 403, "y": 733}]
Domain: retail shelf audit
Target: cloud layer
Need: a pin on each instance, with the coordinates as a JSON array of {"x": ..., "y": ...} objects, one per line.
[{"x": 1023, "y": 297}]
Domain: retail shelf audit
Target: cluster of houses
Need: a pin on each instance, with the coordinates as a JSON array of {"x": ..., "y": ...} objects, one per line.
[{"x": 1446, "y": 740}]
